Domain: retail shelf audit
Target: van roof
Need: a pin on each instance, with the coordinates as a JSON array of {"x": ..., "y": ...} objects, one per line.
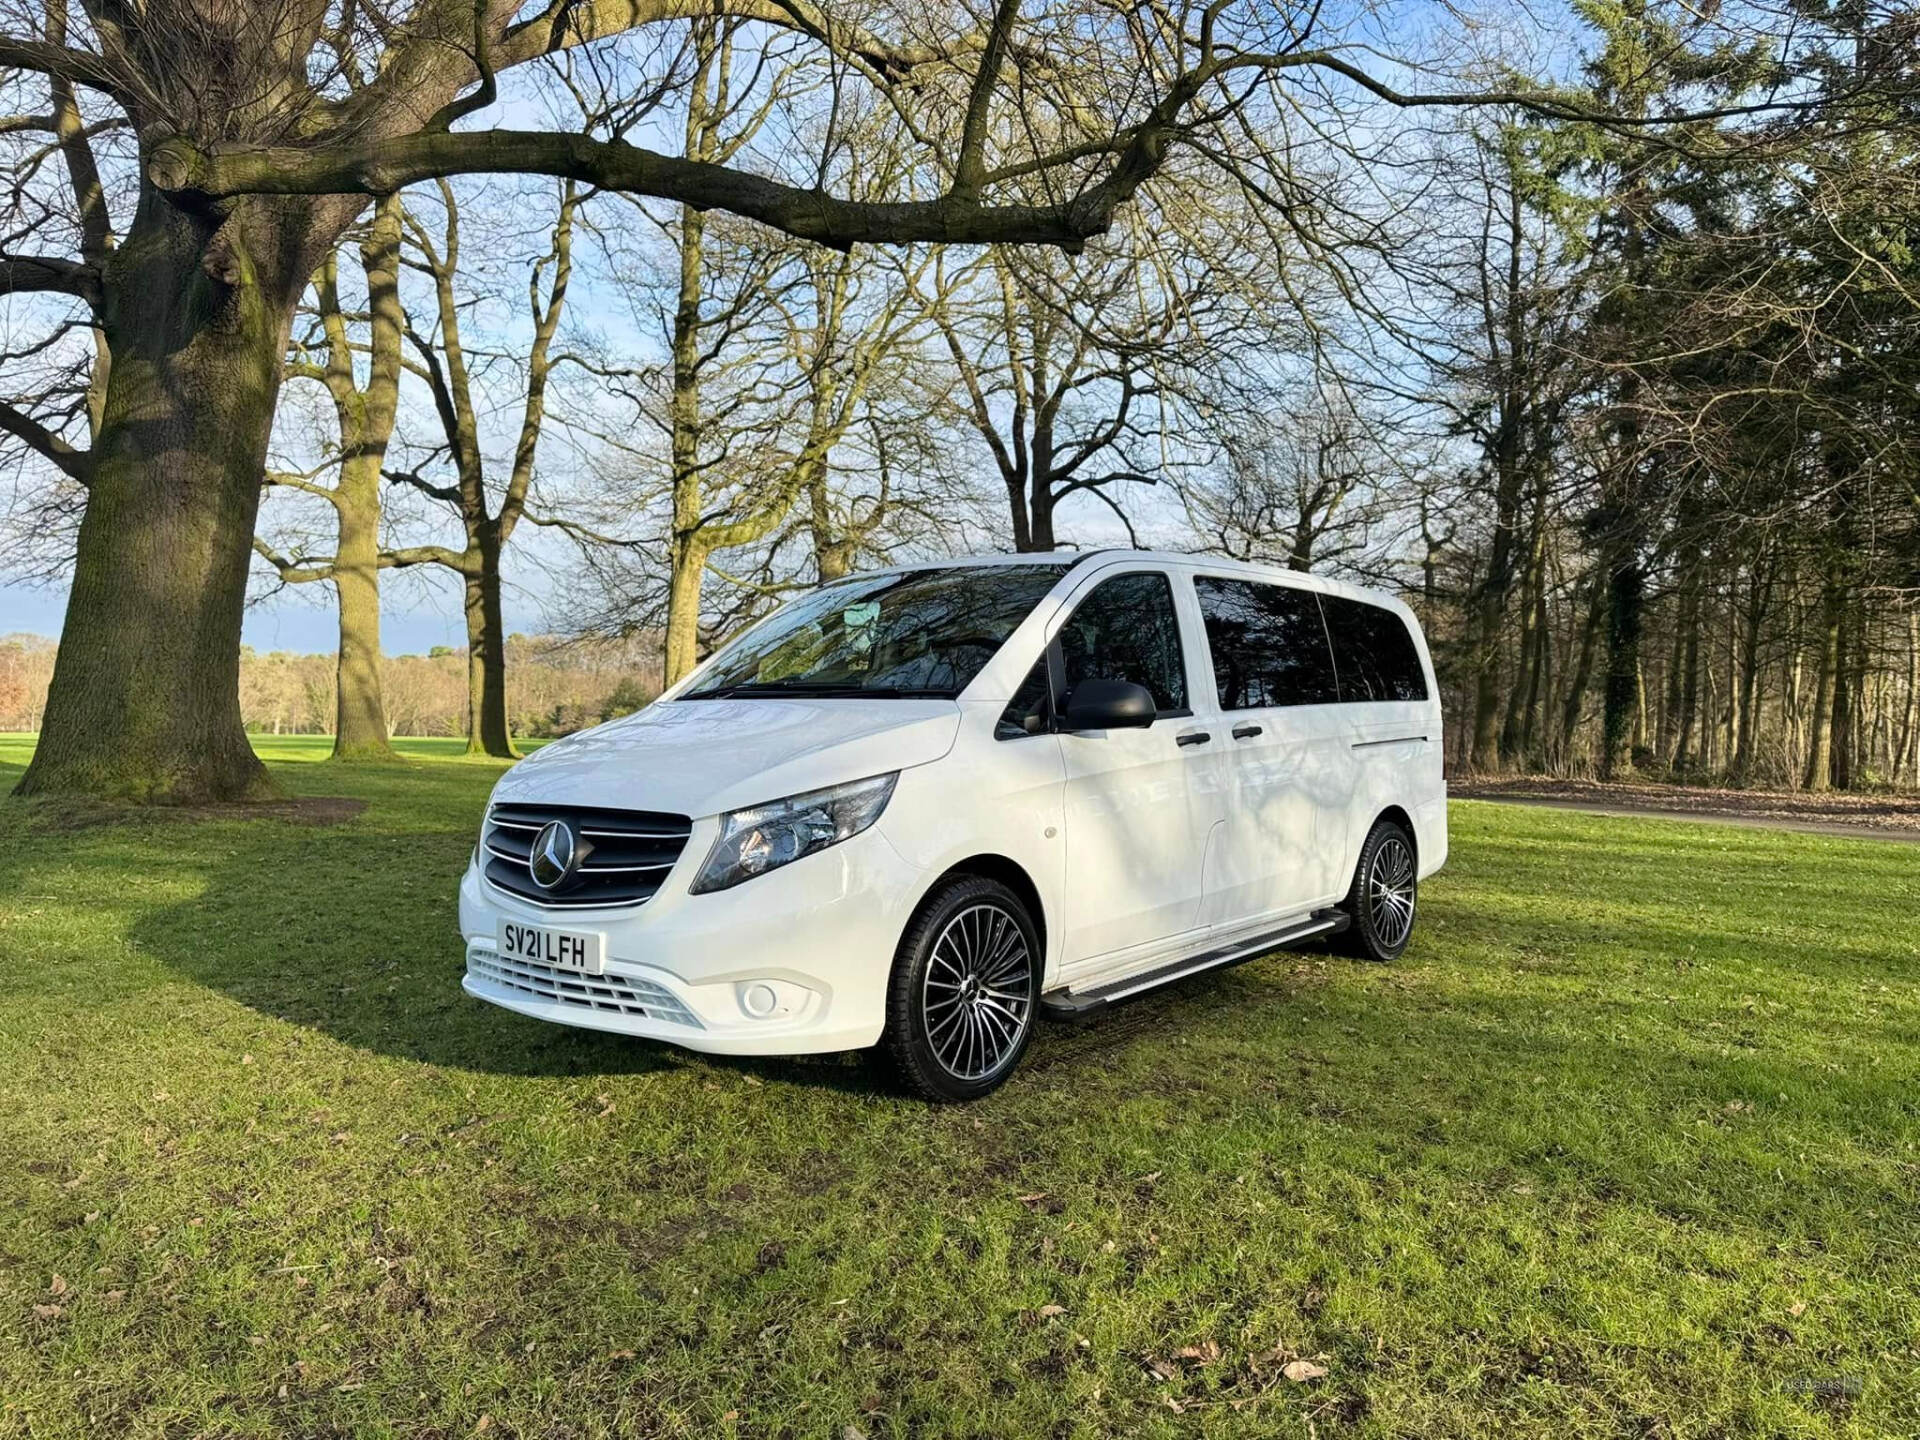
[{"x": 1218, "y": 564}]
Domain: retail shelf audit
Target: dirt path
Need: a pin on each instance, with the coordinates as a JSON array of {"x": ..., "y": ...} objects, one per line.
[{"x": 1871, "y": 817}]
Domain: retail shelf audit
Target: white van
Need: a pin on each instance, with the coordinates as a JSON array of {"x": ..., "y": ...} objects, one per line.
[{"x": 923, "y": 807}]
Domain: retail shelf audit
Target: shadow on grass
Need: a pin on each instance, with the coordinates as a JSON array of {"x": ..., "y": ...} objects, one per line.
[
  {"x": 353, "y": 946},
  {"x": 373, "y": 958}
]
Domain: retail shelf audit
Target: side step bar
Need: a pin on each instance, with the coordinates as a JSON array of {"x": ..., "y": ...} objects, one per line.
[{"x": 1079, "y": 1004}]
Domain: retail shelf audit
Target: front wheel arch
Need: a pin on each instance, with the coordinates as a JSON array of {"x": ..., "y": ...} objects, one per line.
[{"x": 1010, "y": 873}]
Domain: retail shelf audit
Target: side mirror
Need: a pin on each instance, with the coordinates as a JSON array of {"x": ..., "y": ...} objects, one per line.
[{"x": 1109, "y": 705}]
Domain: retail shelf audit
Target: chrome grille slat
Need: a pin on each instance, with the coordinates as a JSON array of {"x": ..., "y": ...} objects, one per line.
[
  {"x": 617, "y": 994},
  {"x": 637, "y": 848}
]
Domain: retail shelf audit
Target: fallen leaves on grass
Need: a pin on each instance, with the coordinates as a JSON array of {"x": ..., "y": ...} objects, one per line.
[{"x": 1301, "y": 1371}]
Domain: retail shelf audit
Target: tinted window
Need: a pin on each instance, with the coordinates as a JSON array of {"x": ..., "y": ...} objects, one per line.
[
  {"x": 928, "y": 632},
  {"x": 1372, "y": 652},
  {"x": 1268, "y": 645},
  {"x": 1127, "y": 630}
]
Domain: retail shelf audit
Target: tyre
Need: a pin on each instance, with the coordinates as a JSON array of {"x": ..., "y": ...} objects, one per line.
[
  {"x": 1382, "y": 898},
  {"x": 964, "y": 994}
]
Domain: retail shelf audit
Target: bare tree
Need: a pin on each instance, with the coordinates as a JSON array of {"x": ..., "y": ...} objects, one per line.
[
  {"x": 364, "y": 418},
  {"x": 489, "y": 511},
  {"x": 1304, "y": 482}
]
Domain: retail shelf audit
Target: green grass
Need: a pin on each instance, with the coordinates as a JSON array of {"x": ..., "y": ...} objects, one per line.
[
  {"x": 319, "y": 747},
  {"x": 1625, "y": 1145}
]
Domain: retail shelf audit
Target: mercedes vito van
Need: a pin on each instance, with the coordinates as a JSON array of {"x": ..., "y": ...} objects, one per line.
[{"x": 925, "y": 807}]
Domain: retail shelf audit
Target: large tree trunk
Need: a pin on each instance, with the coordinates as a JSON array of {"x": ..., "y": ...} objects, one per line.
[
  {"x": 1850, "y": 740},
  {"x": 487, "y": 732},
  {"x": 1040, "y": 499},
  {"x": 832, "y": 553},
  {"x": 687, "y": 566},
  {"x": 1840, "y": 728},
  {"x": 1819, "y": 774},
  {"x": 1532, "y": 615},
  {"x": 144, "y": 702},
  {"x": 360, "y": 728},
  {"x": 686, "y": 556},
  {"x": 1907, "y": 748},
  {"x": 1582, "y": 669},
  {"x": 1689, "y": 674},
  {"x": 1626, "y": 592},
  {"x": 1750, "y": 692}
]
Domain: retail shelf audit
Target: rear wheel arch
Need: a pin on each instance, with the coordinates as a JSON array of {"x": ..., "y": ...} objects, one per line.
[
  {"x": 1401, "y": 818},
  {"x": 1380, "y": 925}
]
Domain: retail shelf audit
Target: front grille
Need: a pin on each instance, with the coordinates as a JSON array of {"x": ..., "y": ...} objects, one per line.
[
  {"x": 621, "y": 994},
  {"x": 624, "y": 855}
]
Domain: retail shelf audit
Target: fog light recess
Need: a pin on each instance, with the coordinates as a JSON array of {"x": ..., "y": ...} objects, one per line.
[{"x": 758, "y": 1000}]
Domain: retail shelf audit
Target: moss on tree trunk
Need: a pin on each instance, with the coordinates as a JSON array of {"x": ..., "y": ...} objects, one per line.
[{"x": 144, "y": 702}]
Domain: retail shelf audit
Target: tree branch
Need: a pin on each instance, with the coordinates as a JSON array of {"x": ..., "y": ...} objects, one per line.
[
  {"x": 75, "y": 464},
  {"x": 22, "y": 273},
  {"x": 291, "y": 571},
  {"x": 195, "y": 176},
  {"x": 58, "y": 61}
]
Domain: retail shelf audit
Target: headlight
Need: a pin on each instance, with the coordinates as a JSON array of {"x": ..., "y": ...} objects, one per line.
[{"x": 768, "y": 836}]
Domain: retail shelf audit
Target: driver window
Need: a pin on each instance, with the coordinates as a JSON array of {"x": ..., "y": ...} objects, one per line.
[{"x": 1127, "y": 629}]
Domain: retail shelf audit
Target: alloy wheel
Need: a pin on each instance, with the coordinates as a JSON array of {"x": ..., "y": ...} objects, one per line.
[
  {"x": 1390, "y": 891},
  {"x": 977, "y": 996}
]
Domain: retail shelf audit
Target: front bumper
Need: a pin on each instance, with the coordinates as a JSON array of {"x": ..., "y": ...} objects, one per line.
[{"x": 817, "y": 936}]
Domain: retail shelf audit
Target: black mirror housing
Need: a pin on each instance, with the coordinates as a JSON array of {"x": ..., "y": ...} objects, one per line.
[{"x": 1109, "y": 705}]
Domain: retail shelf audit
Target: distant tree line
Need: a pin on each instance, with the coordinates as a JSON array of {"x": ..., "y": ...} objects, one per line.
[{"x": 555, "y": 687}]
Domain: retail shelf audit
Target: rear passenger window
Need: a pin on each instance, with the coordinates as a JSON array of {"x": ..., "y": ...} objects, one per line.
[
  {"x": 1373, "y": 654},
  {"x": 1268, "y": 645},
  {"x": 1127, "y": 630}
]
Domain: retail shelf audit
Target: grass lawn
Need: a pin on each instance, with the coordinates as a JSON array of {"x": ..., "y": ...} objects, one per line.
[
  {"x": 1625, "y": 1145},
  {"x": 318, "y": 747}
]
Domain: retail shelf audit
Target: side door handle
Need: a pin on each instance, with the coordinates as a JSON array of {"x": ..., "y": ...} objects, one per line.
[
  {"x": 1192, "y": 737},
  {"x": 1245, "y": 732}
]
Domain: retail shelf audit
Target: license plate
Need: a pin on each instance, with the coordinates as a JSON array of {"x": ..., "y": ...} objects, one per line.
[{"x": 580, "y": 950}]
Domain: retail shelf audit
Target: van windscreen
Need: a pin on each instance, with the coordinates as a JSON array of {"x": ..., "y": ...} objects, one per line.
[{"x": 925, "y": 633}]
